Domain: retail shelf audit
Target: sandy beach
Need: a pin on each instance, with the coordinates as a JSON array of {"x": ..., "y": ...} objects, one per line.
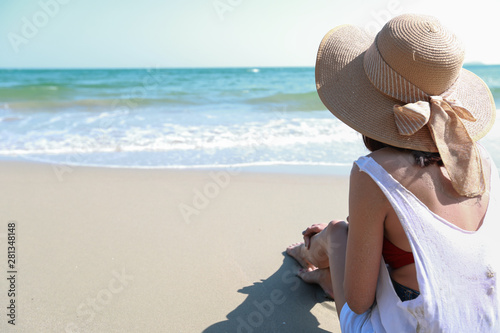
[{"x": 137, "y": 250}]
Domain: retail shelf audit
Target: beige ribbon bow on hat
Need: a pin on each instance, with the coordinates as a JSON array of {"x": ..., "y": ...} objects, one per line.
[{"x": 457, "y": 149}]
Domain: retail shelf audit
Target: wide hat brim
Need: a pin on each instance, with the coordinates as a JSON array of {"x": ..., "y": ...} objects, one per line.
[{"x": 345, "y": 89}]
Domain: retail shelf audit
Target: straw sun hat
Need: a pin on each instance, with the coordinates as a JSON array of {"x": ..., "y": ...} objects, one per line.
[{"x": 406, "y": 87}]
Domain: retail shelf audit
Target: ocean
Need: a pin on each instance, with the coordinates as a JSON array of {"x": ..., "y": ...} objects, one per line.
[{"x": 256, "y": 118}]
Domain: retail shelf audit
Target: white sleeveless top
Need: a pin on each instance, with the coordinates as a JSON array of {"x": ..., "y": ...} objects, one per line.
[{"x": 457, "y": 270}]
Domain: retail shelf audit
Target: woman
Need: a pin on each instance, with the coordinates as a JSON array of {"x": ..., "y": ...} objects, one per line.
[{"x": 419, "y": 251}]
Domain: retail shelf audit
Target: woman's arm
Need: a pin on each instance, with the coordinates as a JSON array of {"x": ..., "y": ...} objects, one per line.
[{"x": 368, "y": 208}]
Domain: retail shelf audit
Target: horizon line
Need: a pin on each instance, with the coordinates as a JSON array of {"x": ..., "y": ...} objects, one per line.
[
  {"x": 472, "y": 63},
  {"x": 159, "y": 67}
]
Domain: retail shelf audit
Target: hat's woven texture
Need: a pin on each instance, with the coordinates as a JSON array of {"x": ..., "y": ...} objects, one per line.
[{"x": 420, "y": 51}]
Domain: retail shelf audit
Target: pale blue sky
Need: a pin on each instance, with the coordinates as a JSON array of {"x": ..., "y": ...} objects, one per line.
[{"x": 211, "y": 33}]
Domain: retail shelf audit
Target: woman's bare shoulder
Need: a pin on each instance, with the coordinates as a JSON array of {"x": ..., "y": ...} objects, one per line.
[
  {"x": 363, "y": 189},
  {"x": 399, "y": 163}
]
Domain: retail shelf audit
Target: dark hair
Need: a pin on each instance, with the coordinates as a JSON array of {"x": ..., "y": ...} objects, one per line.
[{"x": 422, "y": 158}]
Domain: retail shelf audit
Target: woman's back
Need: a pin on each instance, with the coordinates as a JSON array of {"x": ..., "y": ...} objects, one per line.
[
  {"x": 455, "y": 267},
  {"x": 433, "y": 188}
]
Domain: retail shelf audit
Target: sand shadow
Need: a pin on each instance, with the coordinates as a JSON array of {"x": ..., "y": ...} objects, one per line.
[{"x": 280, "y": 303}]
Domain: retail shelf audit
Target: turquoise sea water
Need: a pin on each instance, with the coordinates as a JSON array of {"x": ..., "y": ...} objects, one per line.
[{"x": 180, "y": 118}]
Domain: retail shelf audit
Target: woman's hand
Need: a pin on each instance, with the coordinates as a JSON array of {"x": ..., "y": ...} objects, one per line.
[{"x": 311, "y": 231}]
